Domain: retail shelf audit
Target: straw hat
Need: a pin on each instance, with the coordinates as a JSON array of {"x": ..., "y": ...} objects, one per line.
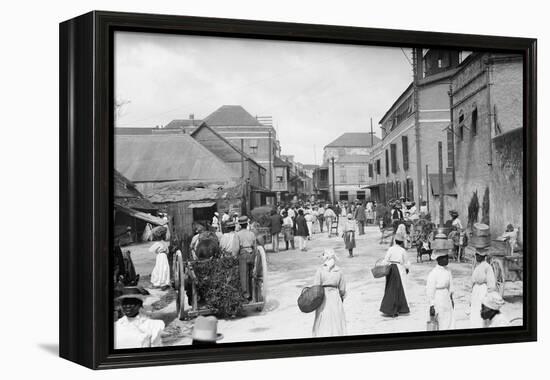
[
  {"x": 206, "y": 329},
  {"x": 493, "y": 300},
  {"x": 439, "y": 253},
  {"x": 132, "y": 292},
  {"x": 243, "y": 219}
]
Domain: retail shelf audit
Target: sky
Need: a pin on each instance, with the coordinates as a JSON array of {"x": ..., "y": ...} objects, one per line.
[{"x": 313, "y": 91}]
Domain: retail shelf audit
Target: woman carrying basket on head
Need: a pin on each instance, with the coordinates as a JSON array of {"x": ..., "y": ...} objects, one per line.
[
  {"x": 330, "y": 319},
  {"x": 395, "y": 294},
  {"x": 349, "y": 234}
]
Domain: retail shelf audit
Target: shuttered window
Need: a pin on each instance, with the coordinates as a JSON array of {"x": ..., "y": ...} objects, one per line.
[
  {"x": 378, "y": 167},
  {"x": 387, "y": 163},
  {"x": 393, "y": 151},
  {"x": 450, "y": 148},
  {"x": 405, "y": 142},
  {"x": 371, "y": 174}
]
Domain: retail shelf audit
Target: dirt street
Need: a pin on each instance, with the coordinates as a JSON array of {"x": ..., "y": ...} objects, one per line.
[{"x": 290, "y": 271}]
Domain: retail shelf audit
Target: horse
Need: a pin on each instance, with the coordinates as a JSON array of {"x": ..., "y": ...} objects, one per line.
[{"x": 207, "y": 249}]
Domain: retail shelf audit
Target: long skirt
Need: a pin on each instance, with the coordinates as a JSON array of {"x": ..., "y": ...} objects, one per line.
[
  {"x": 349, "y": 239},
  {"x": 394, "y": 301},
  {"x": 288, "y": 233},
  {"x": 330, "y": 319},
  {"x": 161, "y": 272},
  {"x": 310, "y": 228},
  {"x": 478, "y": 293},
  {"x": 444, "y": 309}
]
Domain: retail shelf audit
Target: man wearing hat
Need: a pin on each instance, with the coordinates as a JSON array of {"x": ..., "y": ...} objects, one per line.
[
  {"x": 205, "y": 331},
  {"x": 247, "y": 246},
  {"x": 439, "y": 286},
  {"x": 483, "y": 282},
  {"x": 490, "y": 311},
  {"x": 134, "y": 329}
]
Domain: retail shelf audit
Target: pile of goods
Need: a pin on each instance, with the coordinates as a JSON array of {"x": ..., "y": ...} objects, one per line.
[{"x": 219, "y": 287}]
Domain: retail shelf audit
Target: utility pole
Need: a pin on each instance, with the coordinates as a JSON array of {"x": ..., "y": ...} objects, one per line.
[
  {"x": 451, "y": 145},
  {"x": 270, "y": 162},
  {"x": 415, "y": 60},
  {"x": 333, "y": 184},
  {"x": 427, "y": 190},
  {"x": 371, "y": 134},
  {"x": 441, "y": 189}
]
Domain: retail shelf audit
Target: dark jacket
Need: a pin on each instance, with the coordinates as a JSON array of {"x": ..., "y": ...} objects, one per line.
[
  {"x": 300, "y": 226},
  {"x": 360, "y": 215},
  {"x": 275, "y": 223}
]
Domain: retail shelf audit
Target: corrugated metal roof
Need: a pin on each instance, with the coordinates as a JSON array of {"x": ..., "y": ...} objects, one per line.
[
  {"x": 159, "y": 158},
  {"x": 353, "y": 140},
  {"x": 231, "y": 116},
  {"x": 180, "y": 193}
]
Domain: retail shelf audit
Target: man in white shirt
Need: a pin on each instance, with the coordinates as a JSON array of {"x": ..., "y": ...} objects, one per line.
[{"x": 135, "y": 330}]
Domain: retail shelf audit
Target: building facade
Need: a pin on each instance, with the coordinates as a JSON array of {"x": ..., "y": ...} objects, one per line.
[
  {"x": 412, "y": 129},
  {"x": 487, "y": 98}
]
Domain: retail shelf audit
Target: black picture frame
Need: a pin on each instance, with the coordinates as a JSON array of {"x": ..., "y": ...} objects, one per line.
[{"x": 86, "y": 167}]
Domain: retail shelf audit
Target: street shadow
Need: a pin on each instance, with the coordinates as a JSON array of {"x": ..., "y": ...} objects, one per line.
[{"x": 51, "y": 348}]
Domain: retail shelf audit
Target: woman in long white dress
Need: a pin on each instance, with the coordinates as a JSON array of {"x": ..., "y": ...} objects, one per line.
[
  {"x": 483, "y": 281},
  {"x": 330, "y": 319},
  {"x": 439, "y": 288},
  {"x": 161, "y": 272}
]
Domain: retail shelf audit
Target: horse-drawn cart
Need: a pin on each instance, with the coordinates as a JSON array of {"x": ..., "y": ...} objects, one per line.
[{"x": 186, "y": 281}]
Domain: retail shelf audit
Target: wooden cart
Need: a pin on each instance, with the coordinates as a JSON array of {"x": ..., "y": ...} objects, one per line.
[
  {"x": 184, "y": 274},
  {"x": 507, "y": 265}
]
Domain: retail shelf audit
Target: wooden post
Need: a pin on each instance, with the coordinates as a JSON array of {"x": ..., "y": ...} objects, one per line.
[
  {"x": 427, "y": 190},
  {"x": 333, "y": 183},
  {"x": 441, "y": 189}
]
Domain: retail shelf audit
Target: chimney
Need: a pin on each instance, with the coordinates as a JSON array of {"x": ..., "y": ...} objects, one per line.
[{"x": 192, "y": 118}]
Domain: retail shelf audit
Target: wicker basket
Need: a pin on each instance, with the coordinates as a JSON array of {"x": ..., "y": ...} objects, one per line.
[
  {"x": 311, "y": 298},
  {"x": 380, "y": 270}
]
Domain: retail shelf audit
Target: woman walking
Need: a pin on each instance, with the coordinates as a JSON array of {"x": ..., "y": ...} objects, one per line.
[
  {"x": 395, "y": 294},
  {"x": 160, "y": 277},
  {"x": 300, "y": 226},
  {"x": 483, "y": 280},
  {"x": 330, "y": 319},
  {"x": 349, "y": 235},
  {"x": 439, "y": 287},
  {"x": 288, "y": 230}
]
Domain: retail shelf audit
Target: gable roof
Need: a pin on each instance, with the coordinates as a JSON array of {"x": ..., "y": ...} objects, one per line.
[
  {"x": 279, "y": 163},
  {"x": 176, "y": 157},
  {"x": 354, "y": 140},
  {"x": 212, "y": 148},
  {"x": 231, "y": 116},
  {"x": 182, "y": 123}
]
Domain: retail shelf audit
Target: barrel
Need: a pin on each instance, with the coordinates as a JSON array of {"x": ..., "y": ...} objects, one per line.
[{"x": 480, "y": 241}]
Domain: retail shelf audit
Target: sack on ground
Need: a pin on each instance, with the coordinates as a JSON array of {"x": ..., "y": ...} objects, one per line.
[{"x": 311, "y": 298}]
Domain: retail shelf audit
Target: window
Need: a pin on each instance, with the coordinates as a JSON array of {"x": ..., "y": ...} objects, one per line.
[
  {"x": 398, "y": 192},
  {"x": 361, "y": 195},
  {"x": 450, "y": 148},
  {"x": 362, "y": 175},
  {"x": 393, "y": 151},
  {"x": 387, "y": 163},
  {"x": 279, "y": 178},
  {"x": 343, "y": 176},
  {"x": 378, "y": 167},
  {"x": 253, "y": 146},
  {"x": 410, "y": 189},
  {"x": 343, "y": 195},
  {"x": 474, "y": 122},
  {"x": 460, "y": 126},
  {"x": 324, "y": 175},
  {"x": 371, "y": 173},
  {"x": 405, "y": 142}
]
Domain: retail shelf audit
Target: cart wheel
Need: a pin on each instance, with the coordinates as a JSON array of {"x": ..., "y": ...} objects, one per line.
[
  {"x": 261, "y": 281},
  {"x": 499, "y": 275}
]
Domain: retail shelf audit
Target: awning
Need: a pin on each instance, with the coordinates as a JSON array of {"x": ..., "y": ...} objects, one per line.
[
  {"x": 142, "y": 215},
  {"x": 201, "y": 204}
]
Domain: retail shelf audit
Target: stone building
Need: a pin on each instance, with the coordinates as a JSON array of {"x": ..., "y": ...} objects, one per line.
[{"x": 487, "y": 98}]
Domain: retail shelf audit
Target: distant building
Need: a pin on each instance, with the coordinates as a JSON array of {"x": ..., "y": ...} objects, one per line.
[
  {"x": 281, "y": 184},
  {"x": 351, "y": 152},
  {"x": 487, "y": 98}
]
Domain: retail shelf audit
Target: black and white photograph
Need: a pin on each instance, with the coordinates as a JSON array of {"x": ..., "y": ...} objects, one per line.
[{"x": 271, "y": 190}]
